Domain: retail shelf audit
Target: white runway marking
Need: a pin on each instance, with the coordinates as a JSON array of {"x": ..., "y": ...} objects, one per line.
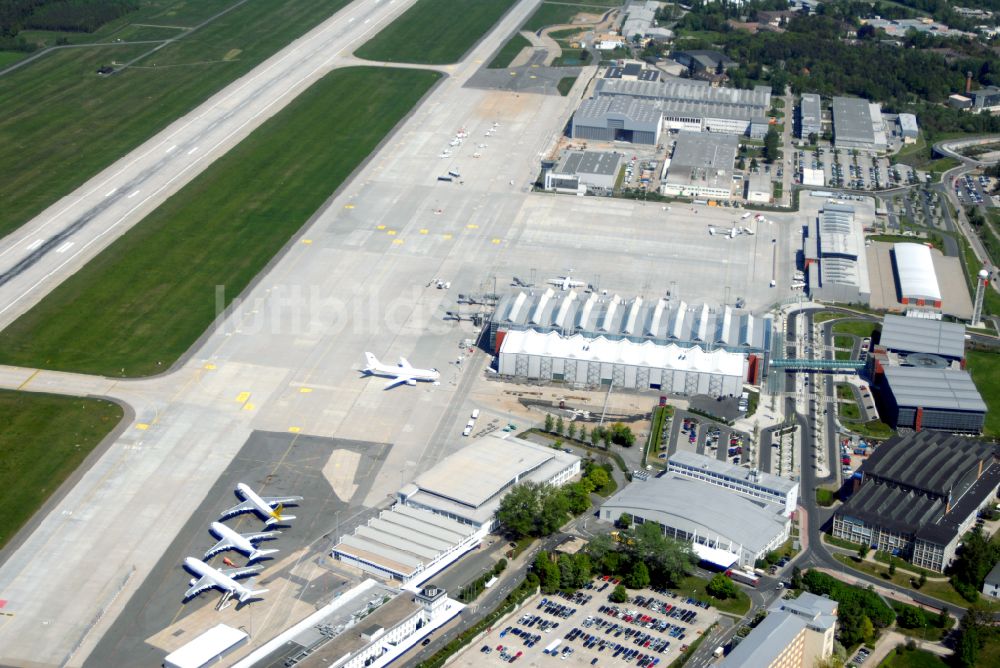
[
  {"x": 65, "y": 247},
  {"x": 172, "y": 148},
  {"x": 133, "y": 194},
  {"x": 111, "y": 192},
  {"x": 192, "y": 150},
  {"x": 35, "y": 244}
]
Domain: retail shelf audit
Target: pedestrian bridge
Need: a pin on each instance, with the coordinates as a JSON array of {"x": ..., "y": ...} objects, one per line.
[{"x": 817, "y": 365}]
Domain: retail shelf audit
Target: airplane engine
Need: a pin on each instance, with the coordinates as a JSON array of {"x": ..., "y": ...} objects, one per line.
[{"x": 192, "y": 582}]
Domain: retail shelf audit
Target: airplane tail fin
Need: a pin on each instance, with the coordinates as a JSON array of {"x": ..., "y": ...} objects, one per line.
[
  {"x": 371, "y": 360},
  {"x": 257, "y": 554},
  {"x": 248, "y": 593},
  {"x": 276, "y": 515}
]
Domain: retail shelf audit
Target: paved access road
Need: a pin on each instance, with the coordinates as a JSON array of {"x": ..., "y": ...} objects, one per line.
[{"x": 64, "y": 237}]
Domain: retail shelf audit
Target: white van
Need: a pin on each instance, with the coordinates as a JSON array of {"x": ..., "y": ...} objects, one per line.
[{"x": 475, "y": 414}]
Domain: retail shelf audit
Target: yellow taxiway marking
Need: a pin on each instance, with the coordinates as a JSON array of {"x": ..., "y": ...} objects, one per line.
[
  {"x": 496, "y": 241},
  {"x": 380, "y": 227},
  {"x": 209, "y": 367},
  {"x": 305, "y": 390},
  {"x": 29, "y": 379},
  {"x": 248, "y": 406},
  {"x": 423, "y": 230},
  {"x": 307, "y": 241},
  {"x": 446, "y": 236},
  {"x": 391, "y": 233},
  {"x": 397, "y": 241},
  {"x": 348, "y": 206},
  {"x": 472, "y": 226},
  {"x": 242, "y": 397},
  {"x": 295, "y": 430},
  {"x": 142, "y": 426}
]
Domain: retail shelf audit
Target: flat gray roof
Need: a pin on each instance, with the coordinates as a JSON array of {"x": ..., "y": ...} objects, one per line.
[
  {"x": 757, "y": 99},
  {"x": 705, "y": 150},
  {"x": 923, "y": 335},
  {"x": 748, "y": 522},
  {"x": 950, "y": 389},
  {"x": 595, "y": 111},
  {"x": 724, "y": 468},
  {"x": 852, "y": 120},
  {"x": 589, "y": 162},
  {"x": 810, "y": 110}
]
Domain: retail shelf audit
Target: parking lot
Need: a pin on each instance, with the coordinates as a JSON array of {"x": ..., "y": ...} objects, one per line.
[
  {"x": 696, "y": 433},
  {"x": 587, "y": 629},
  {"x": 853, "y": 169}
]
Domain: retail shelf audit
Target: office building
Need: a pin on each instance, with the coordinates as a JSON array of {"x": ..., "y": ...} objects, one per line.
[
  {"x": 701, "y": 166},
  {"x": 810, "y": 116},
  {"x": 797, "y": 633},
  {"x": 858, "y": 124},
  {"x": 584, "y": 172},
  {"x": 747, "y": 482}
]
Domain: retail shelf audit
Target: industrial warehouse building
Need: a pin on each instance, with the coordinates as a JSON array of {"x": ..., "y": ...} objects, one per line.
[
  {"x": 748, "y": 482},
  {"x": 661, "y": 321},
  {"x": 918, "y": 284},
  {"x": 918, "y": 494},
  {"x": 810, "y": 116},
  {"x": 696, "y": 106},
  {"x": 858, "y": 123},
  {"x": 835, "y": 255},
  {"x": 797, "y": 633},
  {"x": 904, "y": 336},
  {"x": 722, "y": 526},
  {"x": 617, "y": 119},
  {"x": 930, "y": 397},
  {"x": 468, "y": 486},
  {"x": 701, "y": 166},
  {"x": 908, "y": 129},
  {"x": 584, "y": 172},
  {"x": 587, "y": 362}
]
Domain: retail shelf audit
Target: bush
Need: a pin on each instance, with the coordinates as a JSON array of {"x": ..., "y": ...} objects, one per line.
[
  {"x": 619, "y": 595},
  {"x": 721, "y": 587},
  {"x": 825, "y": 497}
]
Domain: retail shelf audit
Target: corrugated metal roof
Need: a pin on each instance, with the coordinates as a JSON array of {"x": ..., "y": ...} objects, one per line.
[
  {"x": 923, "y": 335},
  {"x": 951, "y": 389},
  {"x": 915, "y": 270}
]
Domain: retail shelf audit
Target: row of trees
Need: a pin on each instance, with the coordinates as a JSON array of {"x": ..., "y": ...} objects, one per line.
[
  {"x": 860, "y": 612},
  {"x": 65, "y": 15},
  {"x": 535, "y": 509},
  {"x": 977, "y": 558},
  {"x": 643, "y": 556},
  {"x": 566, "y": 573},
  {"x": 618, "y": 433}
]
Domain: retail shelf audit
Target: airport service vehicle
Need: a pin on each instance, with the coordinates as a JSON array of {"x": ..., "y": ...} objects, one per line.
[
  {"x": 403, "y": 372},
  {"x": 230, "y": 540},
  {"x": 268, "y": 507},
  {"x": 743, "y": 576},
  {"x": 211, "y": 578},
  {"x": 566, "y": 282}
]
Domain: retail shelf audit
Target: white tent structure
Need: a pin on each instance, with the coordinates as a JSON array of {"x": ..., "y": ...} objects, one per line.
[
  {"x": 625, "y": 364},
  {"x": 915, "y": 270}
]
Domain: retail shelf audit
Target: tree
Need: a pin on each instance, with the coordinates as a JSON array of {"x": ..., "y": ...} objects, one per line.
[
  {"x": 547, "y": 571},
  {"x": 976, "y": 559},
  {"x": 771, "y": 140},
  {"x": 922, "y": 580},
  {"x": 638, "y": 578},
  {"x": 667, "y": 559},
  {"x": 796, "y": 581},
  {"x": 599, "y": 477},
  {"x": 813, "y": 138},
  {"x": 560, "y": 426},
  {"x": 500, "y": 566},
  {"x": 519, "y": 508},
  {"x": 553, "y": 510},
  {"x": 911, "y": 617},
  {"x": 892, "y": 567},
  {"x": 721, "y": 587},
  {"x": 578, "y": 496},
  {"x": 584, "y": 436},
  {"x": 606, "y": 438},
  {"x": 753, "y": 164},
  {"x": 571, "y": 433},
  {"x": 582, "y": 568},
  {"x": 622, "y": 435},
  {"x": 567, "y": 573},
  {"x": 863, "y": 552},
  {"x": 618, "y": 594},
  {"x": 595, "y": 435},
  {"x": 549, "y": 423},
  {"x": 625, "y": 521}
]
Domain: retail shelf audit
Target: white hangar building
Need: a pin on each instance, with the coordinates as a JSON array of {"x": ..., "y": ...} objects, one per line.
[{"x": 594, "y": 362}]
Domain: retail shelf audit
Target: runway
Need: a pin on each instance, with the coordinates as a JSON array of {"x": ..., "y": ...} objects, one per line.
[{"x": 64, "y": 237}]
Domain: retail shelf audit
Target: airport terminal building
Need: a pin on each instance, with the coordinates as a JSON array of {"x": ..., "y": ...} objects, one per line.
[{"x": 836, "y": 261}]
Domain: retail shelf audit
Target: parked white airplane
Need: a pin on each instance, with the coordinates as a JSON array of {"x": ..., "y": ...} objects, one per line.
[
  {"x": 230, "y": 540},
  {"x": 212, "y": 578},
  {"x": 730, "y": 232},
  {"x": 268, "y": 507},
  {"x": 566, "y": 282},
  {"x": 401, "y": 373}
]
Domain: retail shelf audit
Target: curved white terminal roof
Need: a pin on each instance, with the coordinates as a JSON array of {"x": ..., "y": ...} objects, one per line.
[{"x": 915, "y": 270}]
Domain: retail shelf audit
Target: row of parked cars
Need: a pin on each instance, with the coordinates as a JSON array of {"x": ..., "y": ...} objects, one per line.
[
  {"x": 506, "y": 653},
  {"x": 531, "y": 621},
  {"x": 555, "y": 608},
  {"x": 648, "y": 647}
]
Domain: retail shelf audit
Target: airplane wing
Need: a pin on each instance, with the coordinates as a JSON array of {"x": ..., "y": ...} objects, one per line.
[
  {"x": 554, "y": 281},
  {"x": 239, "y": 572},
  {"x": 203, "y": 584},
  {"x": 245, "y": 507},
  {"x": 221, "y": 546},
  {"x": 266, "y": 535},
  {"x": 398, "y": 380},
  {"x": 403, "y": 364},
  {"x": 282, "y": 500},
  {"x": 576, "y": 284}
]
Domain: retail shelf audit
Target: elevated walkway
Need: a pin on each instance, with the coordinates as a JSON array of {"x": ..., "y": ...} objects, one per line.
[{"x": 817, "y": 365}]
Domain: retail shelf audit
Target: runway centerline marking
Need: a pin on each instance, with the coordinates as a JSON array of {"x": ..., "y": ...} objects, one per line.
[
  {"x": 35, "y": 244},
  {"x": 65, "y": 247},
  {"x": 192, "y": 150},
  {"x": 133, "y": 194},
  {"x": 111, "y": 192},
  {"x": 172, "y": 148}
]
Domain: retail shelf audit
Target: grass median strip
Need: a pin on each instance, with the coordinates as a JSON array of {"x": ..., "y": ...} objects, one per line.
[
  {"x": 143, "y": 301},
  {"x": 434, "y": 32},
  {"x": 62, "y": 122},
  {"x": 43, "y": 440}
]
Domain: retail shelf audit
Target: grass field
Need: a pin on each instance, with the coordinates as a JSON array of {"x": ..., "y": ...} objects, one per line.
[
  {"x": 572, "y": 58},
  {"x": 154, "y": 287},
  {"x": 565, "y": 85},
  {"x": 873, "y": 429},
  {"x": 554, "y": 14},
  {"x": 849, "y": 410},
  {"x": 985, "y": 370},
  {"x": 844, "y": 391},
  {"x": 991, "y": 300},
  {"x": 43, "y": 440},
  {"x": 62, "y": 123},
  {"x": 912, "y": 658},
  {"x": 421, "y": 35},
  {"x": 509, "y": 52},
  {"x": 695, "y": 587},
  {"x": 860, "y": 328},
  {"x": 11, "y": 57}
]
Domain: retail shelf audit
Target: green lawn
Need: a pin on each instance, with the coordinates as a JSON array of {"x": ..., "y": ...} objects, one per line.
[
  {"x": 62, "y": 122},
  {"x": 558, "y": 13},
  {"x": 915, "y": 658},
  {"x": 844, "y": 391},
  {"x": 565, "y": 85},
  {"x": 509, "y": 52},
  {"x": 860, "y": 328},
  {"x": 572, "y": 58},
  {"x": 154, "y": 288},
  {"x": 985, "y": 370},
  {"x": 843, "y": 341},
  {"x": 11, "y": 57},
  {"x": 849, "y": 410},
  {"x": 423, "y": 34},
  {"x": 695, "y": 587},
  {"x": 873, "y": 429},
  {"x": 43, "y": 440},
  {"x": 991, "y": 300}
]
